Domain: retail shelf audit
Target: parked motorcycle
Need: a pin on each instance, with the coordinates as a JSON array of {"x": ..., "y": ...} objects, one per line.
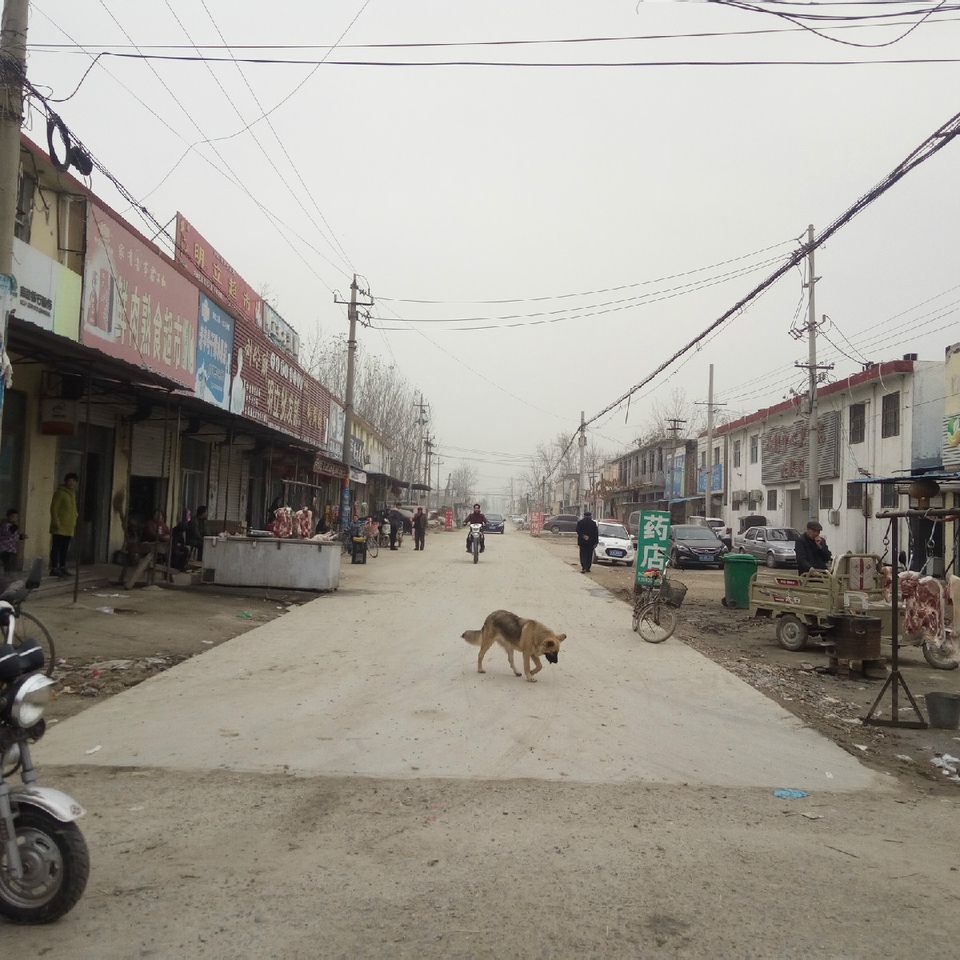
[
  {"x": 475, "y": 539},
  {"x": 44, "y": 863}
]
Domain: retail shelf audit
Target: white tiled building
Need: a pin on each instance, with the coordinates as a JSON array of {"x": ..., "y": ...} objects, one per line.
[{"x": 885, "y": 420}]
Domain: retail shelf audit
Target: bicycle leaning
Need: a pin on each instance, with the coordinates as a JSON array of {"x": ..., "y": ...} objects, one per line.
[{"x": 655, "y": 607}]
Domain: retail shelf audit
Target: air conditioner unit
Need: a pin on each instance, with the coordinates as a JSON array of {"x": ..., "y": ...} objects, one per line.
[
  {"x": 756, "y": 496},
  {"x": 833, "y": 517}
]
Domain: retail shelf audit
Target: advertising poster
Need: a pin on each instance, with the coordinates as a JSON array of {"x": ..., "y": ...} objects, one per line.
[
  {"x": 137, "y": 307},
  {"x": 653, "y": 544},
  {"x": 48, "y": 293},
  {"x": 214, "y": 353}
]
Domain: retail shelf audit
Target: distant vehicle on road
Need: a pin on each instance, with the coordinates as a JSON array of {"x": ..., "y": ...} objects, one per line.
[
  {"x": 615, "y": 546},
  {"x": 695, "y": 545},
  {"x": 751, "y": 520},
  {"x": 561, "y": 523},
  {"x": 775, "y": 546},
  {"x": 494, "y": 523},
  {"x": 719, "y": 526}
]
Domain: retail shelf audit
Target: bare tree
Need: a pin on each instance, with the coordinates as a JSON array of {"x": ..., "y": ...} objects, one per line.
[
  {"x": 462, "y": 483},
  {"x": 675, "y": 407},
  {"x": 382, "y": 396}
]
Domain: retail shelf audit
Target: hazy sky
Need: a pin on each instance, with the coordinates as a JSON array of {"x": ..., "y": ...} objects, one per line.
[{"x": 467, "y": 183}]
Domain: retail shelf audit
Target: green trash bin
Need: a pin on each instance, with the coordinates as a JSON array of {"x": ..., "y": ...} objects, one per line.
[{"x": 738, "y": 571}]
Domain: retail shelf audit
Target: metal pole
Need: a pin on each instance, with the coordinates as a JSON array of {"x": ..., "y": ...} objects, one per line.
[
  {"x": 582, "y": 479},
  {"x": 895, "y": 620},
  {"x": 813, "y": 478},
  {"x": 708, "y": 478},
  {"x": 82, "y": 495}
]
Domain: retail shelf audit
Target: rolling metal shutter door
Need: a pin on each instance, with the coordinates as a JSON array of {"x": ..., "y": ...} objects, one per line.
[
  {"x": 229, "y": 476},
  {"x": 146, "y": 453}
]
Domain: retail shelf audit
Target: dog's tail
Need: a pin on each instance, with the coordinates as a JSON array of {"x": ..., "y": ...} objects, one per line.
[{"x": 472, "y": 636}]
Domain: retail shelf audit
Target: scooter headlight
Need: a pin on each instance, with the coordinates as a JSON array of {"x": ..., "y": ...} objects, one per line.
[{"x": 31, "y": 700}]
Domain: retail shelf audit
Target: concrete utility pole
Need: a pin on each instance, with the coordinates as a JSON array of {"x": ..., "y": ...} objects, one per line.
[
  {"x": 582, "y": 481},
  {"x": 708, "y": 478},
  {"x": 13, "y": 67},
  {"x": 347, "y": 450},
  {"x": 812, "y": 368},
  {"x": 813, "y": 476}
]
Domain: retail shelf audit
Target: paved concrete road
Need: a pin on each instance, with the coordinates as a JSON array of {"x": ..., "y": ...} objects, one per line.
[
  {"x": 469, "y": 836},
  {"x": 375, "y": 681}
]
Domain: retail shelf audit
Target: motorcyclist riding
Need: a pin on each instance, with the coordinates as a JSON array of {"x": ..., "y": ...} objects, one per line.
[{"x": 475, "y": 517}]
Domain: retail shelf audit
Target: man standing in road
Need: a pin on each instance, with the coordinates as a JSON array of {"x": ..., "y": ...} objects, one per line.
[
  {"x": 419, "y": 528},
  {"x": 63, "y": 524},
  {"x": 588, "y": 536},
  {"x": 812, "y": 550}
]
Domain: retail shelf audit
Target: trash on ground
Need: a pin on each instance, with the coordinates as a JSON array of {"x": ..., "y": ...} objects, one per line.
[
  {"x": 104, "y": 609},
  {"x": 123, "y": 596},
  {"x": 812, "y": 816},
  {"x": 99, "y": 746},
  {"x": 904, "y": 758},
  {"x": 245, "y": 615},
  {"x": 860, "y": 746},
  {"x": 784, "y": 793}
]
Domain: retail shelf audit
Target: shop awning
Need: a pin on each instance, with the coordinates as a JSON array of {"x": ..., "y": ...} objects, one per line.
[
  {"x": 686, "y": 499},
  {"x": 329, "y": 467}
]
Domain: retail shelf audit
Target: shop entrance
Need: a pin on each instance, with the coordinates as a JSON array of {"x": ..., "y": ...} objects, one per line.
[{"x": 93, "y": 528}]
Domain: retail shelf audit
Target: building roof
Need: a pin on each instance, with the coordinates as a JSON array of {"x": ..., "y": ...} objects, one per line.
[{"x": 876, "y": 372}]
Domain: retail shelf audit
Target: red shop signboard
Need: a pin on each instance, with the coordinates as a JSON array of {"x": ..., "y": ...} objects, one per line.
[
  {"x": 137, "y": 306},
  {"x": 215, "y": 275}
]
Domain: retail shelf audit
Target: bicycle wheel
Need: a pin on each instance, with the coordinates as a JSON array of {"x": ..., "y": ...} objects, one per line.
[
  {"x": 656, "y": 622},
  {"x": 30, "y": 628},
  {"x": 373, "y": 548}
]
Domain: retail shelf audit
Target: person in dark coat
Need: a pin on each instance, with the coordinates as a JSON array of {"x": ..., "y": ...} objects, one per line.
[
  {"x": 419, "y": 528},
  {"x": 812, "y": 550},
  {"x": 588, "y": 536},
  {"x": 396, "y": 519}
]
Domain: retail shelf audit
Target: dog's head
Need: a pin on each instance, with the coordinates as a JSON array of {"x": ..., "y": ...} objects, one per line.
[{"x": 551, "y": 646}]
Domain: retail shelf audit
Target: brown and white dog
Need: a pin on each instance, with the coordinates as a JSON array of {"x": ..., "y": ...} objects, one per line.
[{"x": 515, "y": 634}]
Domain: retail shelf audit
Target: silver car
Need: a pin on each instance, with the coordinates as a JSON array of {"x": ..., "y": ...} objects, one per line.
[{"x": 775, "y": 546}]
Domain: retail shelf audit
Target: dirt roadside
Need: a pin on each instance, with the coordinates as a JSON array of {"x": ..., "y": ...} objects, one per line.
[
  {"x": 829, "y": 704},
  {"x": 113, "y": 638}
]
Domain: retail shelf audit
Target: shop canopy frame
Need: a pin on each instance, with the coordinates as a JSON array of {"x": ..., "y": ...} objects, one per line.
[{"x": 895, "y": 680}]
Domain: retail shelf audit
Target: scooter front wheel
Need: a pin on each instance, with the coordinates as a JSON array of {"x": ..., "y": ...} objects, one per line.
[{"x": 56, "y": 865}]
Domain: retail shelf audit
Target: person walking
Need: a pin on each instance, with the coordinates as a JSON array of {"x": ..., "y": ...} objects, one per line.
[
  {"x": 419, "y": 528},
  {"x": 395, "y": 520},
  {"x": 63, "y": 524},
  {"x": 588, "y": 536}
]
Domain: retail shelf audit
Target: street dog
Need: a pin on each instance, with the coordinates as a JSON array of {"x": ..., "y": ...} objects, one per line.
[{"x": 515, "y": 634}]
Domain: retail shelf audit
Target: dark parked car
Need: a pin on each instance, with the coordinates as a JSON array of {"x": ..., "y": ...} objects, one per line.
[
  {"x": 561, "y": 523},
  {"x": 692, "y": 545},
  {"x": 494, "y": 523}
]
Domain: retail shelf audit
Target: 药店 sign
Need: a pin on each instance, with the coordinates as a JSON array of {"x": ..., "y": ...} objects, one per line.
[
  {"x": 137, "y": 306},
  {"x": 653, "y": 544}
]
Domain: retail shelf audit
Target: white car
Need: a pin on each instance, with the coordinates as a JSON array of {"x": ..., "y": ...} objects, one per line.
[{"x": 615, "y": 546}]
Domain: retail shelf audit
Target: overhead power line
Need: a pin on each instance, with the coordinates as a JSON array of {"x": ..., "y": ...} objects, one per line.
[
  {"x": 526, "y": 64},
  {"x": 429, "y": 44},
  {"x": 930, "y": 146}
]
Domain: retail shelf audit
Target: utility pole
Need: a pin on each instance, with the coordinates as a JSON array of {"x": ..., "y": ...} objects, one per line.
[
  {"x": 813, "y": 448},
  {"x": 13, "y": 68},
  {"x": 347, "y": 451},
  {"x": 708, "y": 479},
  {"x": 582, "y": 482}
]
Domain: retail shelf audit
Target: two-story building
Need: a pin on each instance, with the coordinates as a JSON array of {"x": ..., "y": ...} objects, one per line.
[{"x": 885, "y": 420}]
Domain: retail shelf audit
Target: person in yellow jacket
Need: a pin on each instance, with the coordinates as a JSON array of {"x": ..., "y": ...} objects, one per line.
[{"x": 63, "y": 523}]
